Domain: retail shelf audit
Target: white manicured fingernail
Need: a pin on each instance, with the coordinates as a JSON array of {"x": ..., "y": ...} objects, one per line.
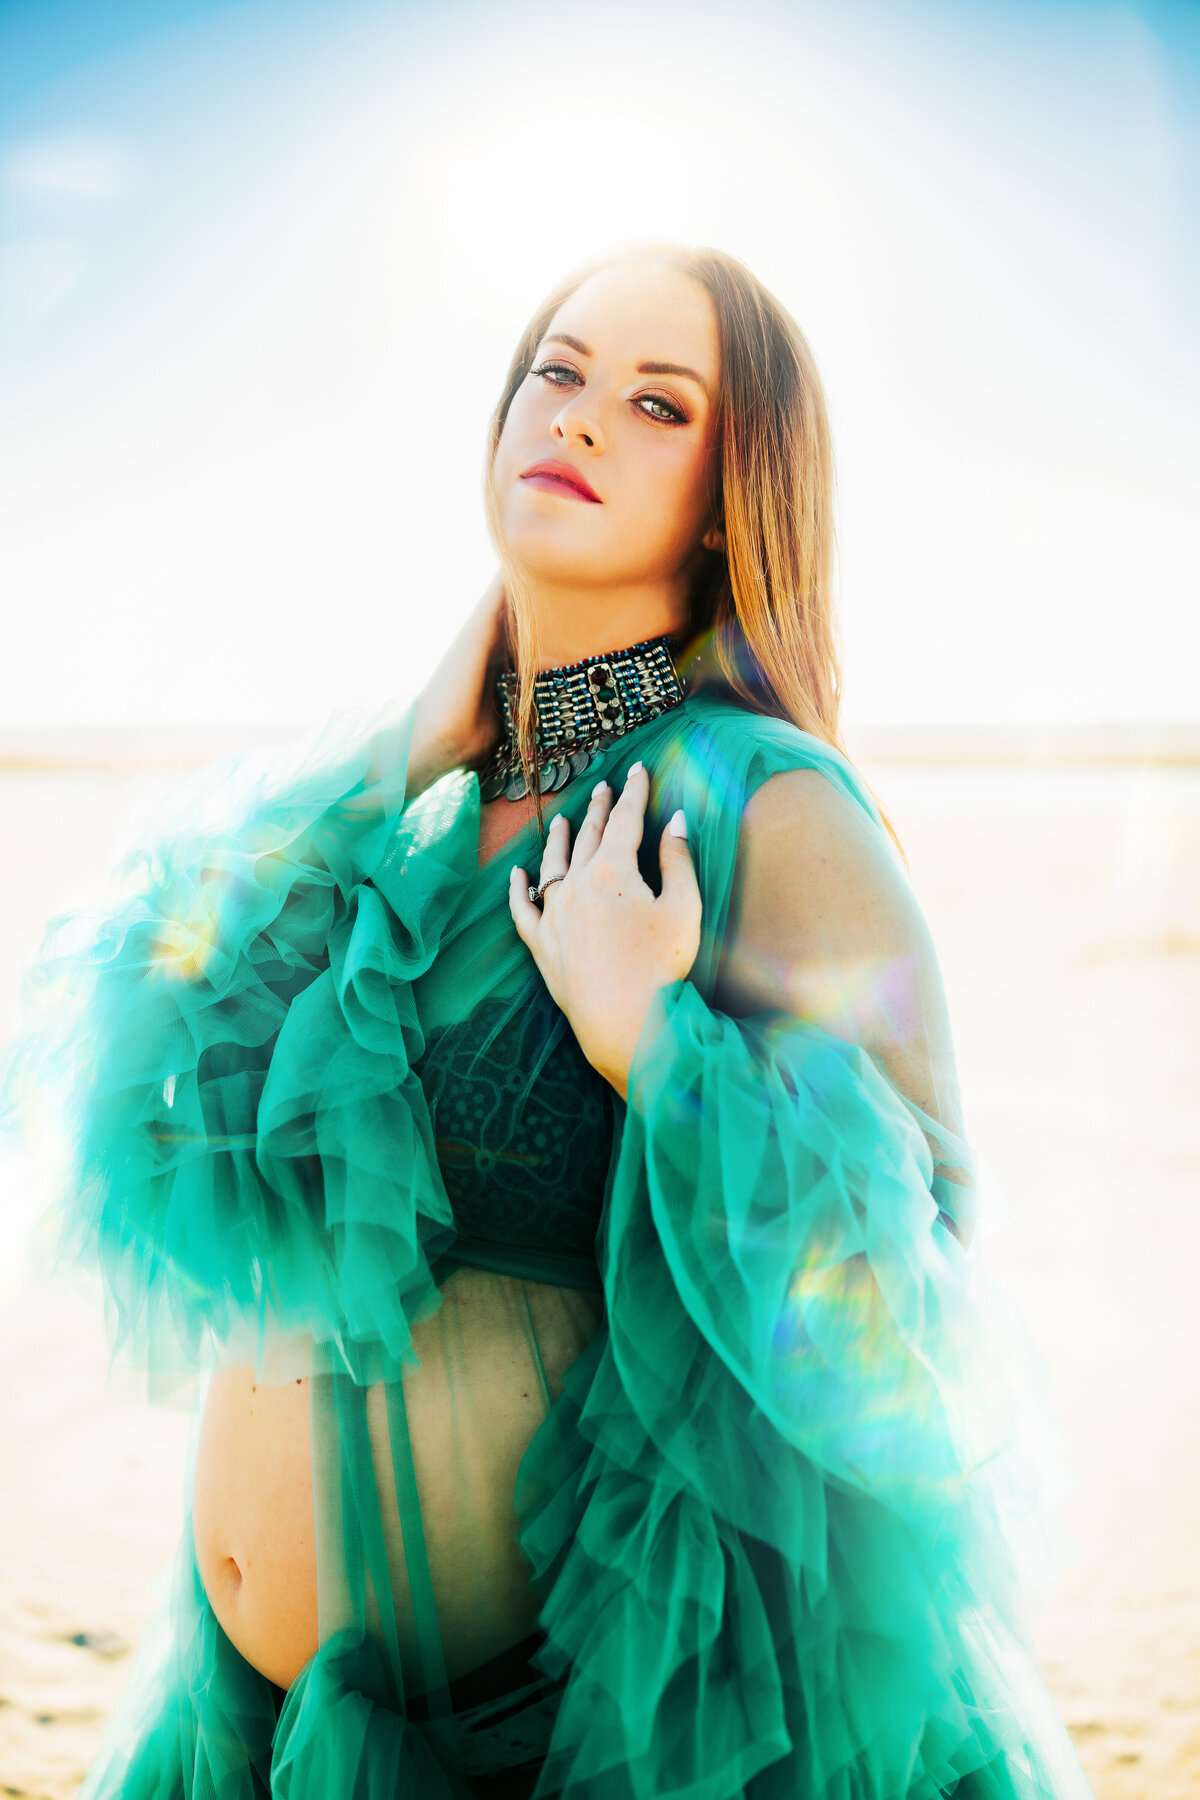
[
  {"x": 677, "y": 824},
  {"x": 599, "y": 788},
  {"x": 633, "y": 768}
]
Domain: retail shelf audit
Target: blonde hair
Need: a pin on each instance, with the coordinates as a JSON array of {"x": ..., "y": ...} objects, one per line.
[{"x": 763, "y": 620}]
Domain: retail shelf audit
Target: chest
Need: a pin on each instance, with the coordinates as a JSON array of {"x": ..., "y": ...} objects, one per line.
[{"x": 501, "y": 821}]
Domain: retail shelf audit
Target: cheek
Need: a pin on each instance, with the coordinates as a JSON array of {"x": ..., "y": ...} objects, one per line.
[
  {"x": 507, "y": 457},
  {"x": 529, "y": 415},
  {"x": 515, "y": 437},
  {"x": 671, "y": 492}
]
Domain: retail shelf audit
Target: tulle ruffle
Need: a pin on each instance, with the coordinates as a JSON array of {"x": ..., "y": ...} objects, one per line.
[
  {"x": 823, "y": 1611},
  {"x": 229, "y": 1056}
]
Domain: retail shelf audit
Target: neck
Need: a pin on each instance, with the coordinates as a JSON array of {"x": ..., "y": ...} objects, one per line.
[{"x": 574, "y": 622}]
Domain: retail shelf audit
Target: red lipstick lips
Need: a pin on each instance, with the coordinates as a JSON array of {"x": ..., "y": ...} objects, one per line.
[{"x": 560, "y": 478}]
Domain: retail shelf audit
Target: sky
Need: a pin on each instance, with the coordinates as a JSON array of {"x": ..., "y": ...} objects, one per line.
[{"x": 262, "y": 267}]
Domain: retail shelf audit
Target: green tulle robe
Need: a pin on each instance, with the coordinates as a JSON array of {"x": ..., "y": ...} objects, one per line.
[{"x": 772, "y": 1517}]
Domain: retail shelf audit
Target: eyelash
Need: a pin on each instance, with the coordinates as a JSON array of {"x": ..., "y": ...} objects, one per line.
[{"x": 678, "y": 416}]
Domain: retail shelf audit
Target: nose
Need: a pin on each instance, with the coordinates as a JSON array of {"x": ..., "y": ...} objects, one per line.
[{"x": 576, "y": 423}]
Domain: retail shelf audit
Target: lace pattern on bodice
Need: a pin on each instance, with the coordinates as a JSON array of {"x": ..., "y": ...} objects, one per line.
[{"x": 523, "y": 1127}]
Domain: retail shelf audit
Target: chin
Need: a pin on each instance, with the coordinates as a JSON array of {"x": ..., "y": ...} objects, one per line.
[
  {"x": 562, "y": 569},
  {"x": 569, "y": 551},
  {"x": 559, "y": 555}
]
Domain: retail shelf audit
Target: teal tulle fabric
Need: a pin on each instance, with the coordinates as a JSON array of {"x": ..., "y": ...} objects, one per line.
[{"x": 773, "y": 1519}]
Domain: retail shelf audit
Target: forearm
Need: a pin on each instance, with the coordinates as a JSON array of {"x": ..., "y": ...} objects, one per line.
[
  {"x": 453, "y": 718},
  {"x": 417, "y": 754},
  {"x": 431, "y": 755}
]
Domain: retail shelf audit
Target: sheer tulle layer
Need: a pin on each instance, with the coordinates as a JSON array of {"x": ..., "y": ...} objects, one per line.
[{"x": 771, "y": 1518}]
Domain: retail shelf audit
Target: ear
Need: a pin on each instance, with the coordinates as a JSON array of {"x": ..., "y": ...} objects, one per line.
[{"x": 714, "y": 539}]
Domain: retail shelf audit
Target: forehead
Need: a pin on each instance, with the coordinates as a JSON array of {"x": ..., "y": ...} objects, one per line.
[{"x": 644, "y": 311}]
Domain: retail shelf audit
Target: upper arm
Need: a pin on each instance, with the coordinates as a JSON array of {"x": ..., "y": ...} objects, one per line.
[{"x": 823, "y": 924}]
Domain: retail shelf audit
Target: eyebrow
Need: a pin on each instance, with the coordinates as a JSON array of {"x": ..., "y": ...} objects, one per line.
[{"x": 643, "y": 368}]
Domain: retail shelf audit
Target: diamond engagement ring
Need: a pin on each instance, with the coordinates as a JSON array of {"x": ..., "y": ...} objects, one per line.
[{"x": 535, "y": 893}]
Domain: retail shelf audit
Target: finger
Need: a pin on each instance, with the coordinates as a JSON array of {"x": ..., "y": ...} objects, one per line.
[
  {"x": 591, "y": 831},
  {"x": 623, "y": 831},
  {"x": 556, "y": 856},
  {"x": 526, "y": 916},
  {"x": 675, "y": 861}
]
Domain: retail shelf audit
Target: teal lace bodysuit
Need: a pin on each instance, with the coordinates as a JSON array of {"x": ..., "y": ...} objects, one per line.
[{"x": 524, "y": 1129}]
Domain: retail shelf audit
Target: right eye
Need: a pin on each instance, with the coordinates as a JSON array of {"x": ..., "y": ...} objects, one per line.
[{"x": 549, "y": 370}]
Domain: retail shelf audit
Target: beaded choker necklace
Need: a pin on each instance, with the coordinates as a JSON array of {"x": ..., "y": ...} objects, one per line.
[{"x": 581, "y": 707}]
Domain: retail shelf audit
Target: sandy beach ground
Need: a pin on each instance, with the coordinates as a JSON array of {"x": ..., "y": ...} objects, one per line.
[{"x": 1065, "y": 904}]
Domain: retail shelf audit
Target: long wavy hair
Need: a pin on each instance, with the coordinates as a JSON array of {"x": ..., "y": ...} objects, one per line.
[{"x": 762, "y": 620}]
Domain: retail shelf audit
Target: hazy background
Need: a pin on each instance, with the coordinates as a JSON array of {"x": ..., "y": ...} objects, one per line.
[
  {"x": 261, "y": 270},
  {"x": 263, "y": 266}
]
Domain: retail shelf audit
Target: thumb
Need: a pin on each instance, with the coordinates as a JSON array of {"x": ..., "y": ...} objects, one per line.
[{"x": 675, "y": 860}]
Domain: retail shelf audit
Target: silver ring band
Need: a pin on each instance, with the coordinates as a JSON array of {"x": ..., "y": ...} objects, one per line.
[{"x": 535, "y": 893}]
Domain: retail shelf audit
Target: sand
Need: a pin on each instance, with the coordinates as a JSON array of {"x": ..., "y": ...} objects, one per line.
[{"x": 1065, "y": 904}]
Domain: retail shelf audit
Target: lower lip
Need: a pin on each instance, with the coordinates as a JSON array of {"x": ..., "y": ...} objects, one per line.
[{"x": 551, "y": 484}]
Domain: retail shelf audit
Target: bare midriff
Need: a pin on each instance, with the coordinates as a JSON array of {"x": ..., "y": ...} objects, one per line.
[{"x": 492, "y": 1360}]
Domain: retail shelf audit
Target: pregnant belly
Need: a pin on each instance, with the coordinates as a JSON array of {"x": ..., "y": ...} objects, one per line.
[{"x": 492, "y": 1360}]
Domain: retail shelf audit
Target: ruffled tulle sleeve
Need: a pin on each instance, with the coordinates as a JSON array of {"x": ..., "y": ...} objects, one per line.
[
  {"x": 787, "y": 1562},
  {"x": 224, "y": 1059}
]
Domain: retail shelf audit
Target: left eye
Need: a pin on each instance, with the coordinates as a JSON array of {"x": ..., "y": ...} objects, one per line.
[{"x": 670, "y": 413}]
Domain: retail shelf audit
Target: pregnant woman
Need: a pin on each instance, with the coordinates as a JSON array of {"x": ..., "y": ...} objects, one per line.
[{"x": 533, "y": 1116}]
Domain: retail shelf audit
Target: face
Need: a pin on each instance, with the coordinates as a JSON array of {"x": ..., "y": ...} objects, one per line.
[{"x": 621, "y": 395}]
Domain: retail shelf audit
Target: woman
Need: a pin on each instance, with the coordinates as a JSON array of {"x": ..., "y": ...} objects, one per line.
[{"x": 571, "y": 1221}]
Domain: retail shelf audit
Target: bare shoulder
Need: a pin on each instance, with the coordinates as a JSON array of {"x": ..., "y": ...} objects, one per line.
[
  {"x": 824, "y": 924},
  {"x": 811, "y": 860}
]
